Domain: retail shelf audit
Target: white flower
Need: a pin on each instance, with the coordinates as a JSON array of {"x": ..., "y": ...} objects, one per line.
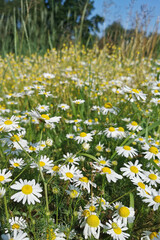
[
  {"x": 42, "y": 108},
  {"x": 73, "y": 191},
  {"x": 111, "y": 132},
  {"x": 84, "y": 137},
  {"x": 49, "y": 142},
  {"x": 151, "y": 152},
  {"x": 116, "y": 230},
  {"x": 15, "y": 236},
  {"x": 108, "y": 107},
  {"x": 78, "y": 101},
  {"x": 84, "y": 182},
  {"x": 111, "y": 175},
  {"x": 91, "y": 226},
  {"x": 17, "y": 223},
  {"x": 124, "y": 214},
  {"x": 152, "y": 177},
  {"x": 133, "y": 126},
  {"x": 132, "y": 170},
  {"x": 29, "y": 191},
  {"x": 9, "y": 124},
  {"x": 17, "y": 163},
  {"x": 126, "y": 151},
  {"x": 5, "y": 176},
  {"x": 68, "y": 173},
  {"x": 63, "y": 106},
  {"x": 44, "y": 163},
  {"x": 153, "y": 199},
  {"x": 70, "y": 157},
  {"x": 147, "y": 235}
]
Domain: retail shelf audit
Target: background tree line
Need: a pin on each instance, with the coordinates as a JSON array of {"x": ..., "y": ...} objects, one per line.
[{"x": 37, "y": 25}]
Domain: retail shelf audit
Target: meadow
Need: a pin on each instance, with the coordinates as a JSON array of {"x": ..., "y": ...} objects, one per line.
[{"x": 79, "y": 145}]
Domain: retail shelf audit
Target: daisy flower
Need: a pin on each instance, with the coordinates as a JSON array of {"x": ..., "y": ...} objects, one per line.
[
  {"x": 44, "y": 117},
  {"x": 84, "y": 182},
  {"x": 99, "y": 201},
  {"x": 48, "y": 75},
  {"x": 111, "y": 175},
  {"x": 152, "y": 177},
  {"x": 17, "y": 223},
  {"x": 153, "y": 199},
  {"x": 70, "y": 157},
  {"x": 67, "y": 173},
  {"x": 151, "y": 152},
  {"x": 55, "y": 234},
  {"x": 29, "y": 191},
  {"x": 108, "y": 107},
  {"x": 121, "y": 132},
  {"x": 84, "y": 137},
  {"x": 99, "y": 147},
  {"x": 89, "y": 122},
  {"x": 9, "y": 124},
  {"x": 44, "y": 163},
  {"x": 42, "y": 108},
  {"x": 126, "y": 151},
  {"x": 78, "y": 101},
  {"x": 91, "y": 226},
  {"x": 2, "y": 192},
  {"x": 63, "y": 106},
  {"x": 46, "y": 94},
  {"x": 49, "y": 142},
  {"x": 132, "y": 170},
  {"x": 70, "y": 136},
  {"x": 142, "y": 188},
  {"x": 111, "y": 132},
  {"x": 17, "y": 163},
  {"x": 124, "y": 214},
  {"x": 133, "y": 126},
  {"x": 54, "y": 170},
  {"x": 73, "y": 191},
  {"x": 5, "y": 176},
  {"x": 116, "y": 230},
  {"x": 15, "y": 236},
  {"x": 15, "y": 140},
  {"x": 147, "y": 235},
  {"x": 136, "y": 93},
  {"x": 86, "y": 146}
]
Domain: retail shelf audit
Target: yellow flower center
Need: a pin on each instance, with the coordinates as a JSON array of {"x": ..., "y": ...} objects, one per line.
[
  {"x": 156, "y": 161},
  {"x": 32, "y": 148},
  {"x": 106, "y": 170},
  {"x": 27, "y": 189},
  {"x": 92, "y": 208},
  {"x": 158, "y": 85},
  {"x": 90, "y": 120},
  {"x": 42, "y": 107},
  {"x": 84, "y": 179},
  {"x": 99, "y": 148},
  {"x": 135, "y": 90},
  {"x": 93, "y": 221},
  {"x": 152, "y": 235},
  {"x": 70, "y": 160},
  {"x": 124, "y": 212},
  {"x": 157, "y": 199},
  {"x": 108, "y": 105},
  {"x": 73, "y": 193},
  {"x": 2, "y": 178},
  {"x": 117, "y": 230},
  {"x": 140, "y": 139},
  {"x": 8, "y": 122},
  {"x": 127, "y": 148},
  {"x": 141, "y": 185},
  {"x": 121, "y": 129},
  {"x": 55, "y": 168},
  {"x": 134, "y": 169},
  {"x": 15, "y": 138},
  {"x": 86, "y": 213},
  {"x": 152, "y": 176},
  {"x": 15, "y": 226},
  {"x": 111, "y": 129},
  {"x": 16, "y": 164},
  {"x": 102, "y": 162},
  {"x": 153, "y": 150},
  {"x": 83, "y": 134},
  {"x": 42, "y": 164},
  {"x": 45, "y": 116},
  {"x": 134, "y": 123},
  {"x": 69, "y": 175}
]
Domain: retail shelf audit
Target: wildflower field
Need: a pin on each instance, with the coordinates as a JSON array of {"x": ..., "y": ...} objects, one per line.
[{"x": 79, "y": 146}]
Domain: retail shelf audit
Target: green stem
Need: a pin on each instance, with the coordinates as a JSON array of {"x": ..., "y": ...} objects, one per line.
[{"x": 6, "y": 209}]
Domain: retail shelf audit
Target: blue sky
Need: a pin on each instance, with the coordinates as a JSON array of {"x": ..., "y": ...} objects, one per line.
[{"x": 120, "y": 8}]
